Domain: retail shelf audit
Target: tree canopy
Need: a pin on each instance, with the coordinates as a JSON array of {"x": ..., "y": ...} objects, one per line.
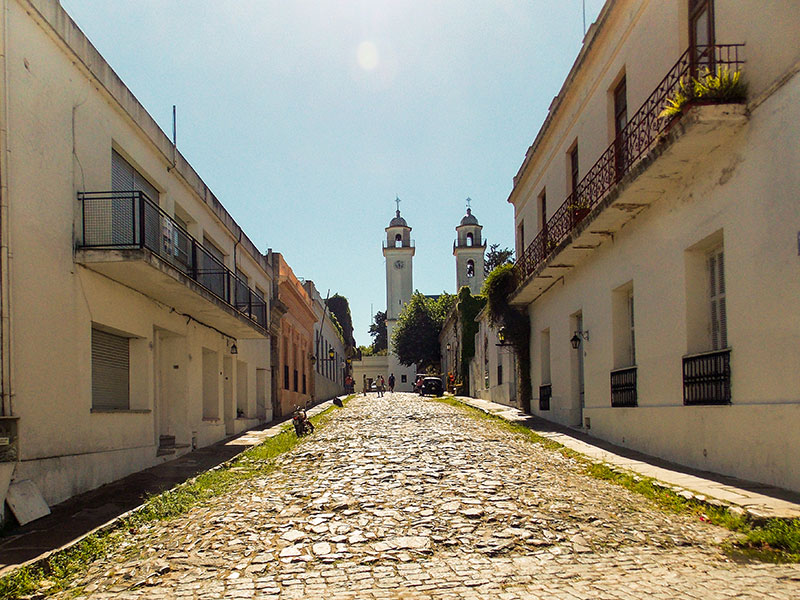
[
  {"x": 496, "y": 257},
  {"x": 339, "y": 306},
  {"x": 415, "y": 339},
  {"x": 378, "y": 332}
]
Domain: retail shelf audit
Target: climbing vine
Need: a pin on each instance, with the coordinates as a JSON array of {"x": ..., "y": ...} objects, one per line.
[
  {"x": 468, "y": 308},
  {"x": 498, "y": 288}
]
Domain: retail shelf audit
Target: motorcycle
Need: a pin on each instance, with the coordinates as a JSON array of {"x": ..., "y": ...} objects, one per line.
[{"x": 301, "y": 423}]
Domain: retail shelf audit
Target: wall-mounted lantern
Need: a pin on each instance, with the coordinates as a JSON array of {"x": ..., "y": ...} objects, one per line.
[{"x": 576, "y": 339}]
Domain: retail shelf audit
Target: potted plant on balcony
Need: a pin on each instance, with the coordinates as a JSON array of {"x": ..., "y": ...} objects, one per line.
[{"x": 719, "y": 87}]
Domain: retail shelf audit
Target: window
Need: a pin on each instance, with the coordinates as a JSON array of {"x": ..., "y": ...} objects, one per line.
[
  {"x": 470, "y": 268},
  {"x": 623, "y": 326},
  {"x": 701, "y": 35},
  {"x": 543, "y": 210},
  {"x": 620, "y": 121},
  {"x": 125, "y": 178},
  {"x": 125, "y": 211},
  {"x": 573, "y": 171},
  {"x": 521, "y": 238},
  {"x": 398, "y": 241},
  {"x": 623, "y": 376},
  {"x": 470, "y": 241},
  {"x": 719, "y": 324},
  {"x": 286, "y": 377},
  {"x": 213, "y": 250},
  {"x": 499, "y": 374},
  {"x": 110, "y": 371}
]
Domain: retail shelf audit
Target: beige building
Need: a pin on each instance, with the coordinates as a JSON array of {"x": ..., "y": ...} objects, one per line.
[
  {"x": 134, "y": 309},
  {"x": 494, "y": 366},
  {"x": 329, "y": 361},
  {"x": 665, "y": 250}
]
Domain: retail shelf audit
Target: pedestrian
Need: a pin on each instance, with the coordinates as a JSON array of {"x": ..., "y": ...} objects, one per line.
[
  {"x": 391, "y": 383},
  {"x": 364, "y": 385},
  {"x": 381, "y": 386}
]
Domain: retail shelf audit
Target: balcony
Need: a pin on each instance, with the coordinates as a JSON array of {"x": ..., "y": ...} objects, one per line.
[
  {"x": 637, "y": 168},
  {"x": 623, "y": 387},
  {"x": 128, "y": 238},
  {"x": 707, "y": 378}
]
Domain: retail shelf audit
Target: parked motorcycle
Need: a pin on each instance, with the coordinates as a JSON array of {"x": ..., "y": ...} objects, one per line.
[{"x": 302, "y": 425}]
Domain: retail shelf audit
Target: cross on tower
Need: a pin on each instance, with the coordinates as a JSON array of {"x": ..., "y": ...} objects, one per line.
[
  {"x": 469, "y": 202},
  {"x": 397, "y": 199}
]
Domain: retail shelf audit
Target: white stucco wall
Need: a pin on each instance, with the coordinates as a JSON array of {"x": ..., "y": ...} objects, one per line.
[
  {"x": 741, "y": 192},
  {"x": 66, "y": 111}
]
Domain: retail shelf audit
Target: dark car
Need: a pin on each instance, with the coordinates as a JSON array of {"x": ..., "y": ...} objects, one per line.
[{"x": 432, "y": 386}]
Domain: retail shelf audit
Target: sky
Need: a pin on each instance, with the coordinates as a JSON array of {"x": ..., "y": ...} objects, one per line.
[{"x": 306, "y": 118}]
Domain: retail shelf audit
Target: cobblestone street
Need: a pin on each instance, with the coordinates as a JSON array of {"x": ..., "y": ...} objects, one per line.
[{"x": 401, "y": 497}]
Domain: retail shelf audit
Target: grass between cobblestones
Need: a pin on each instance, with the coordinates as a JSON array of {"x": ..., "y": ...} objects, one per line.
[
  {"x": 774, "y": 540},
  {"x": 55, "y": 573}
]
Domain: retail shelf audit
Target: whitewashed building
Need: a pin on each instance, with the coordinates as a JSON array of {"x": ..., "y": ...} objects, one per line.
[
  {"x": 659, "y": 258},
  {"x": 134, "y": 309}
]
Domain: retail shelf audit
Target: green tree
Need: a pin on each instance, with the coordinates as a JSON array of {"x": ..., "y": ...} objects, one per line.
[
  {"x": 496, "y": 257},
  {"x": 416, "y": 337},
  {"x": 339, "y": 306},
  {"x": 378, "y": 332}
]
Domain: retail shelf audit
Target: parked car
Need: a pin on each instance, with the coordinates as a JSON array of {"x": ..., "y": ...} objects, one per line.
[{"x": 432, "y": 386}]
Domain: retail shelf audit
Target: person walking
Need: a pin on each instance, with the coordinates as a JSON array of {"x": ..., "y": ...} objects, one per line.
[
  {"x": 381, "y": 386},
  {"x": 364, "y": 385},
  {"x": 391, "y": 383}
]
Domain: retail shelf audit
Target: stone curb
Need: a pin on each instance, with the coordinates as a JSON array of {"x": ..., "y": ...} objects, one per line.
[
  {"x": 752, "y": 516},
  {"x": 41, "y": 561}
]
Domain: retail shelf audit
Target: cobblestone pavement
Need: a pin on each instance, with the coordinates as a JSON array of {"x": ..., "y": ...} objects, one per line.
[{"x": 401, "y": 497}]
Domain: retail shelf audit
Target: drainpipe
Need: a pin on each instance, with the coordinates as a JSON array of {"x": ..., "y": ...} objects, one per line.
[{"x": 6, "y": 408}]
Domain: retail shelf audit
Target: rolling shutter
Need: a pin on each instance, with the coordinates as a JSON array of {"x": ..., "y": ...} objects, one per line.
[{"x": 110, "y": 370}]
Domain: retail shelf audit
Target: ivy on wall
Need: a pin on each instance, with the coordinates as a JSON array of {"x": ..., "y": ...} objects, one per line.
[
  {"x": 498, "y": 288},
  {"x": 468, "y": 308}
]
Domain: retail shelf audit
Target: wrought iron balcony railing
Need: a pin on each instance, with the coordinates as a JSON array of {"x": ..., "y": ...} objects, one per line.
[
  {"x": 623, "y": 387},
  {"x": 545, "y": 393},
  {"x": 127, "y": 220},
  {"x": 707, "y": 378},
  {"x": 632, "y": 143}
]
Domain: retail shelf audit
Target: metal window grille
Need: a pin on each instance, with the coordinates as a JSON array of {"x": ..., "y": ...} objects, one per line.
[
  {"x": 545, "y": 393},
  {"x": 623, "y": 387},
  {"x": 707, "y": 378}
]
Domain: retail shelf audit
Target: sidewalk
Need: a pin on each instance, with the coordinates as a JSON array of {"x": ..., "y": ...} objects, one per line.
[
  {"x": 758, "y": 500},
  {"x": 91, "y": 510}
]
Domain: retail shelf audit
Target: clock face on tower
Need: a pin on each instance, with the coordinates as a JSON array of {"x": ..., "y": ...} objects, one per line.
[{"x": 399, "y": 264}]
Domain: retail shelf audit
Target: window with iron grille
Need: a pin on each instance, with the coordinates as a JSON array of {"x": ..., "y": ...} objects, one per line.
[
  {"x": 286, "y": 377},
  {"x": 110, "y": 371}
]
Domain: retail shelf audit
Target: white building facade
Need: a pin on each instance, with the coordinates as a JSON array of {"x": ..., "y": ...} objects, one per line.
[
  {"x": 135, "y": 310},
  {"x": 659, "y": 258}
]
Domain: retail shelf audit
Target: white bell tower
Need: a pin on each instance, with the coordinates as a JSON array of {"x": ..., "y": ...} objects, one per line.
[
  {"x": 469, "y": 250},
  {"x": 399, "y": 252},
  {"x": 398, "y": 248}
]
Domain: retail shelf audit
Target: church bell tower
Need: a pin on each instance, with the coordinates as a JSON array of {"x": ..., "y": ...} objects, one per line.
[
  {"x": 399, "y": 252},
  {"x": 469, "y": 250}
]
